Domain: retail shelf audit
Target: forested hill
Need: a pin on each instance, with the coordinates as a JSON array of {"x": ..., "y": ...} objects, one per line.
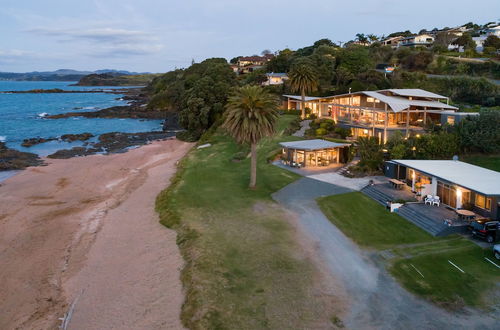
[{"x": 112, "y": 79}]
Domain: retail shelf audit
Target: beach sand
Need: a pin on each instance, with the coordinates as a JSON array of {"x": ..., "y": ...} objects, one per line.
[{"x": 81, "y": 236}]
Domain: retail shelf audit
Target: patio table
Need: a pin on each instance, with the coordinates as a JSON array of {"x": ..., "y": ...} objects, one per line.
[
  {"x": 396, "y": 183},
  {"x": 465, "y": 214}
]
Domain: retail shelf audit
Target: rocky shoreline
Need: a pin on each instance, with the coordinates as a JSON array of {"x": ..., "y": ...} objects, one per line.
[
  {"x": 115, "y": 142},
  {"x": 11, "y": 159}
]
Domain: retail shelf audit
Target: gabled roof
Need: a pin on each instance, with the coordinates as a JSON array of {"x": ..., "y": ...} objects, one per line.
[
  {"x": 316, "y": 144},
  {"x": 463, "y": 174},
  {"x": 415, "y": 92}
]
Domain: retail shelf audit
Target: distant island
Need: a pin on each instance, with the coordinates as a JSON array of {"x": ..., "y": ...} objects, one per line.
[
  {"x": 116, "y": 79},
  {"x": 60, "y": 75}
]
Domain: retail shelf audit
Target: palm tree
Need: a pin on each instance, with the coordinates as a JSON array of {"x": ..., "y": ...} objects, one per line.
[
  {"x": 251, "y": 114},
  {"x": 303, "y": 79}
]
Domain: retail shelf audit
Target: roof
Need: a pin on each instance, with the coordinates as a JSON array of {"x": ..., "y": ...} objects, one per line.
[
  {"x": 276, "y": 74},
  {"x": 316, "y": 144},
  {"x": 463, "y": 174},
  {"x": 415, "y": 92},
  {"x": 298, "y": 97},
  {"x": 398, "y": 104}
]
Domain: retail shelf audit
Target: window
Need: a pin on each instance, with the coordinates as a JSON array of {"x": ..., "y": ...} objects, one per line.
[
  {"x": 483, "y": 202},
  {"x": 450, "y": 120}
]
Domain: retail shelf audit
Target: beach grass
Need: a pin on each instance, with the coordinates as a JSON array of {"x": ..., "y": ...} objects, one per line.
[{"x": 244, "y": 269}]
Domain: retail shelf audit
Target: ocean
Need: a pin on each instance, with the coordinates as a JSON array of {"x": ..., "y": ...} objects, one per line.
[{"x": 21, "y": 115}]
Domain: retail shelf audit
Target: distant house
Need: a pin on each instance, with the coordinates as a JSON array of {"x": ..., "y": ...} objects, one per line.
[
  {"x": 393, "y": 41},
  {"x": 248, "y": 64},
  {"x": 493, "y": 31},
  {"x": 254, "y": 60},
  {"x": 421, "y": 40},
  {"x": 275, "y": 79}
]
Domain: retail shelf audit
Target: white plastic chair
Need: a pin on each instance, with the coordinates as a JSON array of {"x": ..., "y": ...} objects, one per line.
[
  {"x": 436, "y": 201},
  {"x": 428, "y": 199}
]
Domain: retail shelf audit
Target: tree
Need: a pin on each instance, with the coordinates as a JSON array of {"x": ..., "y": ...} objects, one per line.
[
  {"x": 372, "y": 37},
  {"x": 466, "y": 41},
  {"x": 266, "y": 52},
  {"x": 303, "y": 79},
  {"x": 492, "y": 41},
  {"x": 251, "y": 114},
  {"x": 361, "y": 37},
  {"x": 370, "y": 152}
]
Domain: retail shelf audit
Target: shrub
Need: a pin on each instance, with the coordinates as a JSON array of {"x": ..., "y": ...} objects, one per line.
[{"x": 321, "y": 132}]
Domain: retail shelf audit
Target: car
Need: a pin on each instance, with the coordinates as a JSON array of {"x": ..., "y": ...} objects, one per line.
[
  {"x": 496, "y": 251},
  {"x": 485, "y": 229}
]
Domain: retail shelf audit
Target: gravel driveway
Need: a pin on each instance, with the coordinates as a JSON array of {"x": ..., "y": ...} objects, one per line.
[{"x": 377, "y": 300}]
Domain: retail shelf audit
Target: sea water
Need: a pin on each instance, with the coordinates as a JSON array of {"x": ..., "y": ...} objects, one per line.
[{"x": 21, "y": 115}]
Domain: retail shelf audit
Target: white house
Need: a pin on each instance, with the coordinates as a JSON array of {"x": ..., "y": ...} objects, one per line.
[
  {"x": 275, "y": 79},
  {"x": 424, "y": 40}
]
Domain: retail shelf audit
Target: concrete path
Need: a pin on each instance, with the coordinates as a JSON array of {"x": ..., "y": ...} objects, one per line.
[
  {"x": 304, "y": 125},
  {"x": 377, "y": 300}
]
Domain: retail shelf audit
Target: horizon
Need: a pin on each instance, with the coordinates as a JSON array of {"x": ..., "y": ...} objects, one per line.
[{"x": 161, "y": 36}]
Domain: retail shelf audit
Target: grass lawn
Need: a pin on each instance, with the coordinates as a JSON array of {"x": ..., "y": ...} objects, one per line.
[
  {"x": 445, "y": 284},
  {"x": 368, "y": 224},
  {"x": 488, "y": 161},
  {"x": 244, "y": 269}
]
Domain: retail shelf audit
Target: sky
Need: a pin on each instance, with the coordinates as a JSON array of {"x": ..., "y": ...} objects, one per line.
[{"x": 161, "y": 35}]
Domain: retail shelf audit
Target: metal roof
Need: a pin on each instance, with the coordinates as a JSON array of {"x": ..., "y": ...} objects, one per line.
[
  {"x": 276, "y": 74},
  {"x": 316, "y": 144},
  {"x": 298, "y": 97},
  {"x": 415, "y": 92},
  {"x": 469, "y": 176},
  {"x": 398, "y": 104}
]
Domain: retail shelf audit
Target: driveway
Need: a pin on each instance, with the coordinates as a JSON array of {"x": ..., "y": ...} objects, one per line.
[{"x": 377, "y": 300}]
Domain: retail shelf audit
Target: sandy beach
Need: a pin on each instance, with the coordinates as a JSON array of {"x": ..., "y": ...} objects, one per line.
[{"x": 81, "y": 236}]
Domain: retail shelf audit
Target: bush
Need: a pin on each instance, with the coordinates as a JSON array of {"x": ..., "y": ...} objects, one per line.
[
  {"x": 321, "y": 131},
  {"x": 343, "y": 132}
]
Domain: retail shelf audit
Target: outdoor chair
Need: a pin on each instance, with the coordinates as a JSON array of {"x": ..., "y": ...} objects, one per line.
[
  {"x": 436, "y": 201},
  {"x": 428, "y": 199}
]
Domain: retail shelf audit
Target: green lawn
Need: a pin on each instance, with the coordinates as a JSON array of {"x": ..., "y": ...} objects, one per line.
[
  {"x": 488, "y": 161},
  {"x": 445, "y": 284},
  {"x": 244, "y": 269},
  {"x": 370, "y": 225}
]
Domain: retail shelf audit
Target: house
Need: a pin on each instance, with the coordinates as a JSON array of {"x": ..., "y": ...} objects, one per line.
[
  {"x": 314, "y": 153},
  {"x": 275, "y": 79},
  {"x": 421, "y": 40},
  {"x": 459, "y": 185},
  {"x": 381, "y": 113},
  {"x": 393, "y": 41},
  {"x": 493, "y": 31},
  {"x": 254, "y": 60}
]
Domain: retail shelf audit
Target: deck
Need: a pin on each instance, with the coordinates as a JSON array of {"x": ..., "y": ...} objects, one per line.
[{"x": 427, "y": 217}]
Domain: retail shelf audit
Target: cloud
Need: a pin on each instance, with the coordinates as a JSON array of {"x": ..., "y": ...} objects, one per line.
[
  {"x": 124, "y": 50},
  {"x": 100, "y": 35}
]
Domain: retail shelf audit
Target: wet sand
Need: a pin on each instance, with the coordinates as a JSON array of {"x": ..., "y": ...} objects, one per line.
[{"x": 81, "y": 235}]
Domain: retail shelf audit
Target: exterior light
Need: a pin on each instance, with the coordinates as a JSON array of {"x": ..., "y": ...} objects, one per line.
[
  {"x": 418, "y": 135},
  {"x": 414, "y": 148},
  {"x": 459, "y": 193},
  {"x": 365, "y": 131}
]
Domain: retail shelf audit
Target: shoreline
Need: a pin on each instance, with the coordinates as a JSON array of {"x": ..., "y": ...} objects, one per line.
[{"x": 74, "y": 225}]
